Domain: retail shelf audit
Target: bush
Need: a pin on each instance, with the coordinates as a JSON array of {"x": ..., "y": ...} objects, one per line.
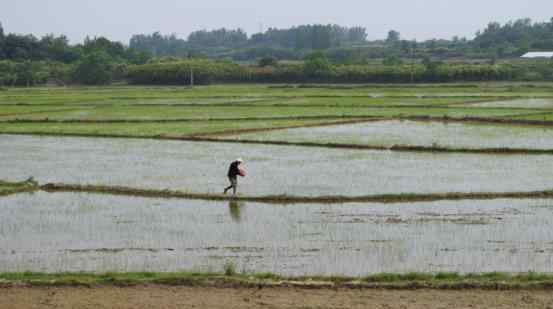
[
  {"x": 95, "y": 68},
  {"x": 316, "y": 69},
  {"x": 230, "y": 269},
  {"x": 267, "y": 62}
]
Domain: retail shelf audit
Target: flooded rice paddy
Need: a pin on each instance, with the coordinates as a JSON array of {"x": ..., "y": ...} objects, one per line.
[
  {"x": 519, "y": 103},
  {"x": 273, "y": 170},
  {"x": 59, "y": 232},
  {"x": 417, "y": 133}
]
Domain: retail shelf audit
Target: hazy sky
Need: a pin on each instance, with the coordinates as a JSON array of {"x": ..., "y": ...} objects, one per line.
[{"x": 120, "y": 19}]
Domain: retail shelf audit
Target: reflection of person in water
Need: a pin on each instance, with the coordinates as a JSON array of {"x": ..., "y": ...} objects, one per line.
[
  {"x": 235, "y": 169},
  {"x": 234, "y": 208}
]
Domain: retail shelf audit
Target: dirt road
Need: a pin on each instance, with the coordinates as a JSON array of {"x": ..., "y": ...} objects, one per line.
[{"x": 201, "y": 297}]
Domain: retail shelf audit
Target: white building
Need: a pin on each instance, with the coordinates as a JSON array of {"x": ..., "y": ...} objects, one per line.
[{"x": 533, "y": 55}]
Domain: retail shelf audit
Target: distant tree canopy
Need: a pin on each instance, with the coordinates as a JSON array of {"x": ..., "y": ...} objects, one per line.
[
  {"x": 393, "y": 36},
  {"x": 349, "y": 45},
  {"x": 311, "y": 37},
  {"x": 515, "y": 37},
  {"x": 321, "y": 53},
  {"x": 1, "y": 42},
  {"x": 16, "y": 47},
  {"x": 218, "y": 38},
  {"x": 160, "y": 45},
  {"x": 297, "y": 38}
]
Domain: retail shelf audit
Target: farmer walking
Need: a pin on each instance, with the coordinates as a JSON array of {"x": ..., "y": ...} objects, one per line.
[{"x": 235, "y": 169}]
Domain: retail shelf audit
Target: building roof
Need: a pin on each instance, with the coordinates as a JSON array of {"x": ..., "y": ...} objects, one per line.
[{"x": 538, "y": 55}]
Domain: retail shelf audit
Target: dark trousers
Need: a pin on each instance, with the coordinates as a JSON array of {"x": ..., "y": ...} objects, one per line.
[{"x": 233, "y": 184}]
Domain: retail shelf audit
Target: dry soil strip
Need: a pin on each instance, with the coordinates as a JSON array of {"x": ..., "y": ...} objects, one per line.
[{"x": 286, "y": 199}]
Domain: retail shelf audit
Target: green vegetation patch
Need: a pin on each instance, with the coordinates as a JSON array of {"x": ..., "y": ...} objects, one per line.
[
  {"x": 7, "y": 188},
  {"x": 545, "y": 116}
]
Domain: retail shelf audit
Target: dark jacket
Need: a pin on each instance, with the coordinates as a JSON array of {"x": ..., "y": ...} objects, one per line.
[{"x": 233, "y": 170}]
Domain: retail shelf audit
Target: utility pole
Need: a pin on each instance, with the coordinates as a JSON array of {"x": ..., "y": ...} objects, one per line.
[{"x": 191, "y": 78}]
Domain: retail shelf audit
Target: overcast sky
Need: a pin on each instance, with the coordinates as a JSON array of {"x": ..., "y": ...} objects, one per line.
[{"x": 120, "y": 19}]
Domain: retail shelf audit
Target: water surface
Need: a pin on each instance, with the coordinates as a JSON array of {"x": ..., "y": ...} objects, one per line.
[
  {"x": 202, "y": 167},
  {"x": 75, "y": 232},
  {"x": 417, "y": 133}
]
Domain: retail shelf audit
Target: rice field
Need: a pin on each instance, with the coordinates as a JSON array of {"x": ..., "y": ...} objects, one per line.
[
  {"x": 72, "y": 232},
  {"x": 390, "y": 133},
  {"x": 183, "y": 139},
  {"x": 296, "y": 171}
]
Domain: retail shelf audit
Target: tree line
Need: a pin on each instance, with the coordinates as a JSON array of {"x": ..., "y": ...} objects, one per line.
[
  {"x": 511, "y": 39},
  {"x": 26, "y": 60},
  {"x": 325, "y": 53}
]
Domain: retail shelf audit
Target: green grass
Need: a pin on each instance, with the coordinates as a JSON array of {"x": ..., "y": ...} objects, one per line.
[
  {"x": 431, "y": 280},
  {"x": 7, "y": 188},
  {"x": 260, "y": 90},
  {"x": 548, "y": 116},
  {"x": 126, "y": 94}
]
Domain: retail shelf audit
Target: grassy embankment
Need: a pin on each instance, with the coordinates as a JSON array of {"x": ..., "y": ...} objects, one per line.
[
  {"x": 276, "y": 199},
  {"x": 232, "y": 279},
  {"x": 7, "y": 188}
]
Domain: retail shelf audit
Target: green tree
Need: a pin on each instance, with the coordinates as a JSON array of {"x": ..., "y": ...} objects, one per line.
[
  {"x": 95, "y": 68},
  {"x": 2, "y": 37},
  {"x": 57, "y": 49},
  {"x": 8, "y": 75},
  {"x": 393, "y": 37},
  {"x": 30, "y": 73},
  {"x": 317, "y": 65},
  {"x": 392, "y": 60},
  {"x": 267, "y": 61},
  {"x": 60, "y": 73}
]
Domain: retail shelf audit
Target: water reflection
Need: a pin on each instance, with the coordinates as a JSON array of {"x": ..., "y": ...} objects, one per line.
[{"x": 235, "y": 209}]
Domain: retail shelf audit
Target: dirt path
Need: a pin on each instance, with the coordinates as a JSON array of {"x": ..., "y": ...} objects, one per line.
[{"x": 195, "y": 297}]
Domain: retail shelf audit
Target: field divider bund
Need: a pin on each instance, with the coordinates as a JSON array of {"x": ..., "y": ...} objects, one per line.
[
  {"x": 93, "y": 121},
  {"x": 286, "y": 199},
  {"x": 480, "y": 281},
  {"x": 394, "y": 148},
  {"x": 359, "y": 118}
]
